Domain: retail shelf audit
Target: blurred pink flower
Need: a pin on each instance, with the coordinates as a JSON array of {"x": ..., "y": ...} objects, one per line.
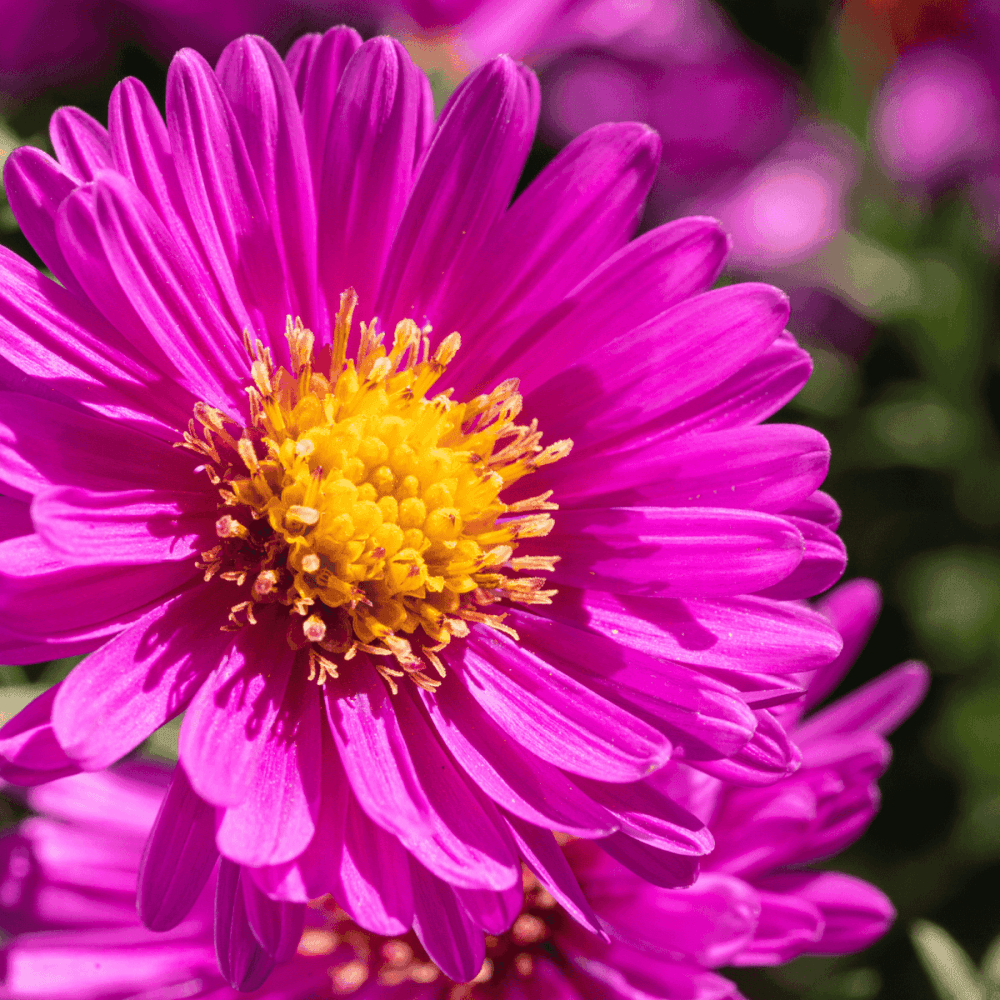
[{"x": 936, "y": 121}]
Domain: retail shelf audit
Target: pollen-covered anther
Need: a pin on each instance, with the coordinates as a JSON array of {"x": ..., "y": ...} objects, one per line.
[
  {"x": 314, "y": 628},
  {"x": 369, "y": 508},
  {"x": 229, "y": 527}
]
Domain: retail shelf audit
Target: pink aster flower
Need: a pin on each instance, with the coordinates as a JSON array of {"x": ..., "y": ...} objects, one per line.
[
  {"x": 401, "y": 665},
  {"x": 68, "y": 886}
]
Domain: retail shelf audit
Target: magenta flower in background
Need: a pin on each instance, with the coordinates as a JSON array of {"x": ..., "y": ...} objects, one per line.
[
  {"x": 718, "y": 103},
  {"x": 936, "y": 120},
  {"x": 68, "y": 884},
  {"x": 792, "y": 204},
  {"x": 401, "y": 665},
  {"x": 47, "y": 42}
]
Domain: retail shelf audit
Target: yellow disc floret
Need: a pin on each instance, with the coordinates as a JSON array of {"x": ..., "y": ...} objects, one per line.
[{"x": 368, "y": 508}]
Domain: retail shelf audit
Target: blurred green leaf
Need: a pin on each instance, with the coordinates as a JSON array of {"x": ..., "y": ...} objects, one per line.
[
  {"x": 877, "y": 281},
  {"x": 835, "y": 88},
  {"x": 16, "y": 697},
  {"x": 832, "y": 389},
  {"x": 12, "y": 675},
  {"x": 953, "y": 599},
  {"x": 991, "y": 962},
  {"x": 163, "y": 743},
  {"x": 57, "y": 670},
  {"x": 949, "y": 968},
  {"x": 912, "y": 424}
]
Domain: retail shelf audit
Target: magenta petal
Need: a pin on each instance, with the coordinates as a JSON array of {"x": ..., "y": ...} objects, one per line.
[
  {"x": 316, "y": 870},
  {"x": 15, "y": 518},
  {"x": 141, "y": 149},
  {"x": 494, "y": 912},
  {"x": 33, "y": 580},
  {"x": 263, "y": 101},
  {"x": 662, "y": 868},
  {"x": 853, "y": 608},
  {"x": 515, "y": 778},
  {"x": 673, "y": 552},
  {"x": 627, "y": 974},
  {"x": 466, "y": 180},
  {"x": 80, "y": 142},
  {"x": 35, "y": 186},
  {"x": 229, "y": 721},
  {"x": 879, "y": 706},
  {"x": 764, "y": 468},
  {"x": 276, "y": 926},
  {"x": 759, "y": 389},
  {"x": 661, "y": 268},
  {"x": 820, "y": 507},
  {"x": 374, "y": 879},
  {"x": 616, "y": 385},
  {"x": 768, "y": 757},
  {"x": 405, "y": 782},
  {"x": 707, "y": 922},
  {"x": 317, "y": 78},
  {"x": 231, "y": 220},
  {"x": 143, "y": 280},
  {"x": 244, "y": 964},
  {"x": 822, "y": 565},
  {"x": 298, "y": 60},
  {"x": 544, "y": 857},
  {"x": 648, "y": 815},
  {"x": 840, "y": 822},
  {"x": 453, "y": 942},
  {"x": 364, "y": 194},
  {"x": 43, "y": 444},
  {"x": 555, "y": 716},
  {"x": 61, "y": 340},
  {"x": 276, "y": 820},
  {"x": 725, "y": 634},
  {"x": 136, "y": 526},
  {"x": 179, "y": 856},
  {"x": 581, "y": 209},
  {"x": 29, "y": 751},
  {"x": 365, "y": 869},
  {"x": 758, "y": 829},
  {"x": 706, "y": 717},
  {"x": 789, "y": 925},
  {"x": 15, "y": 647},
  {"x": 855, "y": 913},
  {"x": 141, "y": 679}
]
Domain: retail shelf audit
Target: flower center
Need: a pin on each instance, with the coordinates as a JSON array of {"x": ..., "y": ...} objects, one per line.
[
  {"x": 368, "y": 509},
  {"x": 360, "y": 956}
]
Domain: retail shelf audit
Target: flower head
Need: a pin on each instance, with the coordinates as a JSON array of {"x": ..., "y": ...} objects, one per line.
[
  {"x": 75, "y": 866},
  {"x": 413, "y": 628}
]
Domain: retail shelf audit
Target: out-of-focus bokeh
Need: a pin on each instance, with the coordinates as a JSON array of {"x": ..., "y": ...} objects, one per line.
[{"x": 853, "y": 151}]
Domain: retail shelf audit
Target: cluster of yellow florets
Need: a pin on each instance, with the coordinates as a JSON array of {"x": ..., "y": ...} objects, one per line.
[{"x": 382, "y": 506}]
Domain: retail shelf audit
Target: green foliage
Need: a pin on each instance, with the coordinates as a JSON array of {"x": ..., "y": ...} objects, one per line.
[{"x": 951, "y": 971}]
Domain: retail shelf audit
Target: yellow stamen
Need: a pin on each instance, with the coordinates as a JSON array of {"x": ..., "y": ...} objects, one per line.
[{"x": 369, "y": 508}]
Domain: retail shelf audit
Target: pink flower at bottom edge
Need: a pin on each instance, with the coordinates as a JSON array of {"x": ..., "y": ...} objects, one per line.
[{"x": 68, "y": 889}]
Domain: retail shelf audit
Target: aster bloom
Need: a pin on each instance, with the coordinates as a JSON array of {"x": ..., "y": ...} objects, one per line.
[
  {"x": 68, "y": 884},
  {"x": 401, "y": 665}
]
